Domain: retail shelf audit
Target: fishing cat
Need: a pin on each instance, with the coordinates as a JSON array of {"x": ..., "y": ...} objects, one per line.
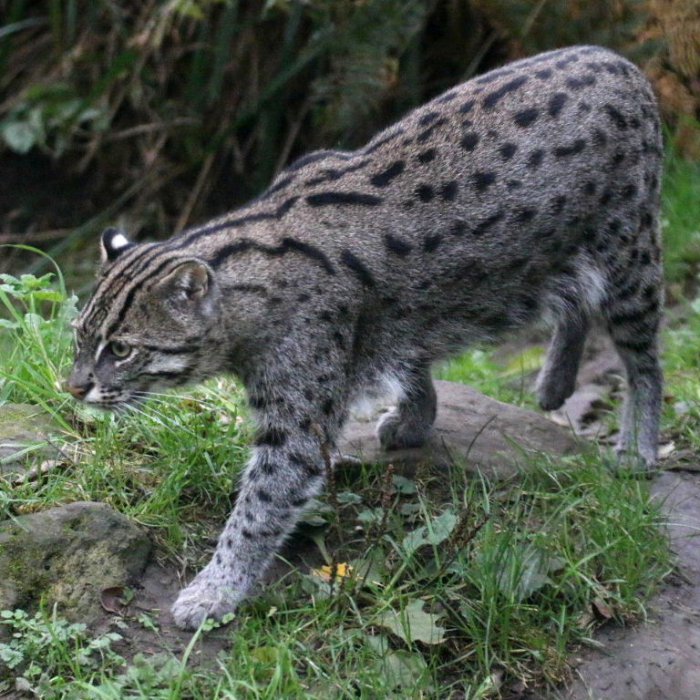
[{"x": 533, "y": 188}]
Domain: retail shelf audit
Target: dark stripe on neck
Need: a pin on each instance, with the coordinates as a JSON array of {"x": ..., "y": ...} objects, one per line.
[
  {"x": 334, "y": 198},
  {"x": 356, "y": 265},
  {"x": 187, "y": 238},
  {"x": 243, "y": 245}
]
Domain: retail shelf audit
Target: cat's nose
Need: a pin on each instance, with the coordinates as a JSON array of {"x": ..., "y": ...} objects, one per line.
[{"x": 78, "y": 390}]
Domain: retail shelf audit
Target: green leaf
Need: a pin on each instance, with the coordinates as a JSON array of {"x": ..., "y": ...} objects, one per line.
[
  {"x": 19, "y": 136},
  {"x": 526, "y": 570},
  {"x": 403, "y": 485},
  {"x": 413, "y": 624},
  {"x": 402, "y": 670},
  {"x": 437, "y": 531}
]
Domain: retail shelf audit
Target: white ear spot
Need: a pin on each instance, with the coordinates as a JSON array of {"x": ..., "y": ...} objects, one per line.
[
  {"x": 113, "y": 243},
  {"x": 119, "y": 241}
]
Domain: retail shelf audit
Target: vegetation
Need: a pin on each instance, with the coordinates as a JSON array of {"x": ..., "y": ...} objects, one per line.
[
  {"x": 162, "y": 112},
  {"x": 429, "y": 588}
]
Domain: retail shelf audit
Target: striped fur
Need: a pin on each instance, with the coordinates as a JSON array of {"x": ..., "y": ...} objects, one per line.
[{"x": 532, "y": 189}]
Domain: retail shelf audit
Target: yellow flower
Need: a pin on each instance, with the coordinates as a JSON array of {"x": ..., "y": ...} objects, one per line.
[{"x": 325, "y": 573}]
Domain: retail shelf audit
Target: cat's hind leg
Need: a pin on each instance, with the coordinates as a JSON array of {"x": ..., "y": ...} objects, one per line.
[{"x": 633, "y": 324}]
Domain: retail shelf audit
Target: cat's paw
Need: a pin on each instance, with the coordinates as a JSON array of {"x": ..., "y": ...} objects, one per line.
[
  {"x": 396, "y": 432},
  {"x": 207, "y": 596},
  {"x": 639, "y": 461}
]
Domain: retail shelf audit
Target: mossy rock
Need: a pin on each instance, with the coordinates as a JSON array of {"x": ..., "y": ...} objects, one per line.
[
  {"x": 68, "y": 556},
  {"x": 24, "y": 426}
]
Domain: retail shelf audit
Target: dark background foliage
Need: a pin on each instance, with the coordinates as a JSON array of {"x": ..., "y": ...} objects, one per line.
[{"x": 159, "y": 113}]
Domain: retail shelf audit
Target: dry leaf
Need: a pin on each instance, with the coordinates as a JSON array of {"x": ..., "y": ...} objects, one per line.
[
  {"x": 114, "y": 600},
  {"x": 601, "y": 609}
]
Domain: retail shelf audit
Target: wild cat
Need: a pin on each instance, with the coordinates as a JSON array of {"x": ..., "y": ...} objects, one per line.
[{"x": 532, "y": 188}]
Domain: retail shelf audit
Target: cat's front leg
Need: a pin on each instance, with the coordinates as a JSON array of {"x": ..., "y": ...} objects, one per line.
[{"x": 286, "y": 470}]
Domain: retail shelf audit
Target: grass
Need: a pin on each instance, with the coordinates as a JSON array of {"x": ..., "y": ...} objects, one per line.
[{"x": 433, "y": 587}]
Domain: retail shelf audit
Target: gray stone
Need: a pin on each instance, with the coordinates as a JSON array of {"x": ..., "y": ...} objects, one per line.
[
  {"x": 471, "y": 429},
  {"x": 24, "y": 426},
  {"x": 68, "y": 555}
]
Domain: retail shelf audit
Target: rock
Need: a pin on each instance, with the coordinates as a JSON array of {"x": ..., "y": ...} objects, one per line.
[
  {"x": 484, "y": 434},
  {"x": 68, "y": 555},
  {"x": 24, "y": 426}
]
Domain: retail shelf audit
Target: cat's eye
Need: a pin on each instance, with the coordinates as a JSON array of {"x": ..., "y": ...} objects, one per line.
[{"x": 119, "y": 349}]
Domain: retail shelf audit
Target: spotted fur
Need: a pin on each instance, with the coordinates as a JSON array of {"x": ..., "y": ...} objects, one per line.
[{"x": 531, "y": 189}]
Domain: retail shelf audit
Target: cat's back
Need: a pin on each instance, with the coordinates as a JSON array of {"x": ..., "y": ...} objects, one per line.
[
  {"x": 526, "y": 160},
  {"x": 571, "y": 122}
]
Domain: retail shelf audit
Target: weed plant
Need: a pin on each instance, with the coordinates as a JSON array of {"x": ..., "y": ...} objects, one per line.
[
  {"x": 437, "y": 585},
  {"x": 432, "y": 585}
]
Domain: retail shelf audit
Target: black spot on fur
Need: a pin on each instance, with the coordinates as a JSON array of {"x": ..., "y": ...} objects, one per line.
[
  {"x": 469, "y": 141},
  {"x": 629, "y": 191},
  {"x": 427, "y": 133},
  {"x": 427, "y": 156},
  {"x": 556, "y": 103},
  {"x": 327, "y": 407},
  {"x": 558, "y": 204},
  {"x": 448, "y": 97},
  {"x": 574, "y": 149},
  {"x": 544, "y": 74},
  {"x": 383, "y": 178},
  {"x": 397, "y": 245},
  {"x": 618, "y": 157},
  {"x": 356, "y": 265},
  {"x": 526, "y": 117},
  {"x": 428, "y": 118},
  {"x": 488, "y": 223},
  {"x": 467, "y": 107},
  {"x": 534, "y": 160},
  {"x": 564, "y": 62},
  {"x": 600, "y": 138},
  {"x": 614, "y": 226},
  {"x": 580, "y": 83},
  {"x": 432, "y": 242},
  {"x": 507, "y": 150},
  {"x": 483, "y": 180},
  {"x": 526, "y": 215},
  {"x": 425, "y": 193},
  {"x": 272, "y": 437},
  {"x": 615, "y": 115},
  {"x": 264, "y": 496},
  {"x": 493, "y": 98},
  {"x": 589, "y": 187},
  {"x": 605, "y": 197},
  {"x": 448, "y": 191},
  {"x": 458, "y": 228}
]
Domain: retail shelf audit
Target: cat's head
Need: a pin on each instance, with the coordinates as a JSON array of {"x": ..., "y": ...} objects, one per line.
[{"x": 146, "y": 326}]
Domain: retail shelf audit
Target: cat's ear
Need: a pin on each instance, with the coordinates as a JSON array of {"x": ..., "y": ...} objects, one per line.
[
  {"x": 113, "y": 244},
  {"x": 189, "y": 281}
]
